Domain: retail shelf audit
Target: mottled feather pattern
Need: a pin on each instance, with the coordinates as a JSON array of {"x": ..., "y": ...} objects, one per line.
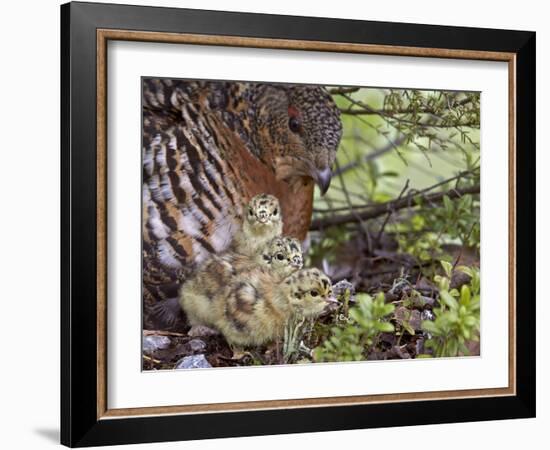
[{"x": 208, "y": 148}]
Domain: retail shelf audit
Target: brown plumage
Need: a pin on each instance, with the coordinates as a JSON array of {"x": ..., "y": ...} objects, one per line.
[{"x": 208, "y": 148}]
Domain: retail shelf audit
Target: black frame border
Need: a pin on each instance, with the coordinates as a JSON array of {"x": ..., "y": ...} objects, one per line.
[{"x": 79, "y": 423}]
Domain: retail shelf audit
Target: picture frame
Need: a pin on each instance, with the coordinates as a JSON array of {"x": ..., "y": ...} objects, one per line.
[{"x": 86, "y": 418}]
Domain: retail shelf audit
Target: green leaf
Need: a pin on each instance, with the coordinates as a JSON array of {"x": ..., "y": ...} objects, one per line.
[
  {"x": 465, "y": 295},
  {"x": 448, "y": 300},
  {"x": 452, "y": 348},
  {"x": 429, "y": 326},
  {"x": 408, "y": 327},
  {"x": 447, "y": 267},
  {"x": 386, "y": 327}
]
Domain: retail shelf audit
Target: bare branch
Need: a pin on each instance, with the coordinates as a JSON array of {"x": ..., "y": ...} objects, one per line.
[
  {"x": 384, "y": 208},
  {"x": 379, "y": 235},
  {"x": 457, "y": 177}
]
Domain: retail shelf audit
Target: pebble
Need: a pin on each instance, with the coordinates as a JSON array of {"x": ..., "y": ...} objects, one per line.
[
  {"x": 193, "y": 362},
  {"x": 196, "y": 345},
  {"x": 154, "y": 342}
]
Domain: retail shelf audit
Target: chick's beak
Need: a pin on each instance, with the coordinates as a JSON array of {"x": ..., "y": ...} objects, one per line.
[
  {"x": 331, "y": 299},
  {"x": 322, "y": 178}
]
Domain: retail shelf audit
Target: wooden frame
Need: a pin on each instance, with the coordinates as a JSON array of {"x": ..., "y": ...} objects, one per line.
[{"x": 86, "y": 419}]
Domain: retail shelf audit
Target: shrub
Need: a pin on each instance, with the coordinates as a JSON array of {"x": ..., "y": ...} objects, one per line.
[
  {"x": 457, "y": 318},
  {"x": 364, "y": 324}
]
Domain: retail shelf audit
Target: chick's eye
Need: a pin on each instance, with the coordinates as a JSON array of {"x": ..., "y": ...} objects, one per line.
[
  {"x": 294, "y": 124},
  {"x": 250, "y": 212},
  {"x": 275, "y": 212},
  {"x": 280, "y": 256},
  {"x": 314, "y": 293}
]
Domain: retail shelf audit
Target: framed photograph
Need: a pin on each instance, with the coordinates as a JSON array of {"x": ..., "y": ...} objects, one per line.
[{"x": 276, "y": 224}]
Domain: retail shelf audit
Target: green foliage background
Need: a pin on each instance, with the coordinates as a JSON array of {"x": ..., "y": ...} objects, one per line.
[{"x": 405, "y": 194}]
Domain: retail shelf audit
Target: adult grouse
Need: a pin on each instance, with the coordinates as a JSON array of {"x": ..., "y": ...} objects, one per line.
[{"x": 208, "y": 147}]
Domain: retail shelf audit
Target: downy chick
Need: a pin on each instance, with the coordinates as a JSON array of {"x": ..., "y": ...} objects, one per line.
[
  {"x": 261, "y": 223},
  {"x": 252, "y": 308},
  {"x": 281, "y": 257}
]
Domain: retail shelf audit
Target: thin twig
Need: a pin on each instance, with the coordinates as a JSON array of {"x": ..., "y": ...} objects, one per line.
[
  {"x": 153, "y": 360},
  {"x": 372, "y": 155},
  {"x": 379, "y": 235}
]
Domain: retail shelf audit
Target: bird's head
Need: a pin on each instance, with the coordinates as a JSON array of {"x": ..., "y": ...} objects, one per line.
[
  {"x": 294, "y": 252},
  {"x": 263, "y": 211},
  {"x": 283, "y": 255},
  {"x": 299, "y": 129},
  {"x": 310, "y": 292}
]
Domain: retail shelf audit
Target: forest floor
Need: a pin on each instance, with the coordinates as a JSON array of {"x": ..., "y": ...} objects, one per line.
[{"x": 385, "y": 270}]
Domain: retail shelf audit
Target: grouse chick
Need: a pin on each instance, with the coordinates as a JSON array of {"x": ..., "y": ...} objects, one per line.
[
  {"x": 278, "y": 259},
  {"x": 284, "y": 256},
  {"x": 261, "y": 223},
  {"x": 253, "y": 308}
]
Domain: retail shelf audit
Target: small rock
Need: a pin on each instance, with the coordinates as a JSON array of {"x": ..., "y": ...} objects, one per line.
[
  {"x": 193, "y": 362},
  {"x": 196, "y": 345},
  {"x": 420, "y": 301},
  {"x": 427, "y": 315},
  {"x": 154, "y": 342},
  {"x": 458, "y": 279}
]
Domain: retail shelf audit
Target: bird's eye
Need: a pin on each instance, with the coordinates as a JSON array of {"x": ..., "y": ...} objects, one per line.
[
  {"x": 280, "y": 256},
  {"x": 275, "y": 212},
  {"x": 294, "y": 124},
  {"x": 250, "y": 212},
  {"x": 314, "y": 293}
]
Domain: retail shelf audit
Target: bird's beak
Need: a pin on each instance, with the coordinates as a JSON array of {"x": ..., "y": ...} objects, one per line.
[
  {"x": 332, "y": 300},
  {"x": 322, "y": 178}
]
